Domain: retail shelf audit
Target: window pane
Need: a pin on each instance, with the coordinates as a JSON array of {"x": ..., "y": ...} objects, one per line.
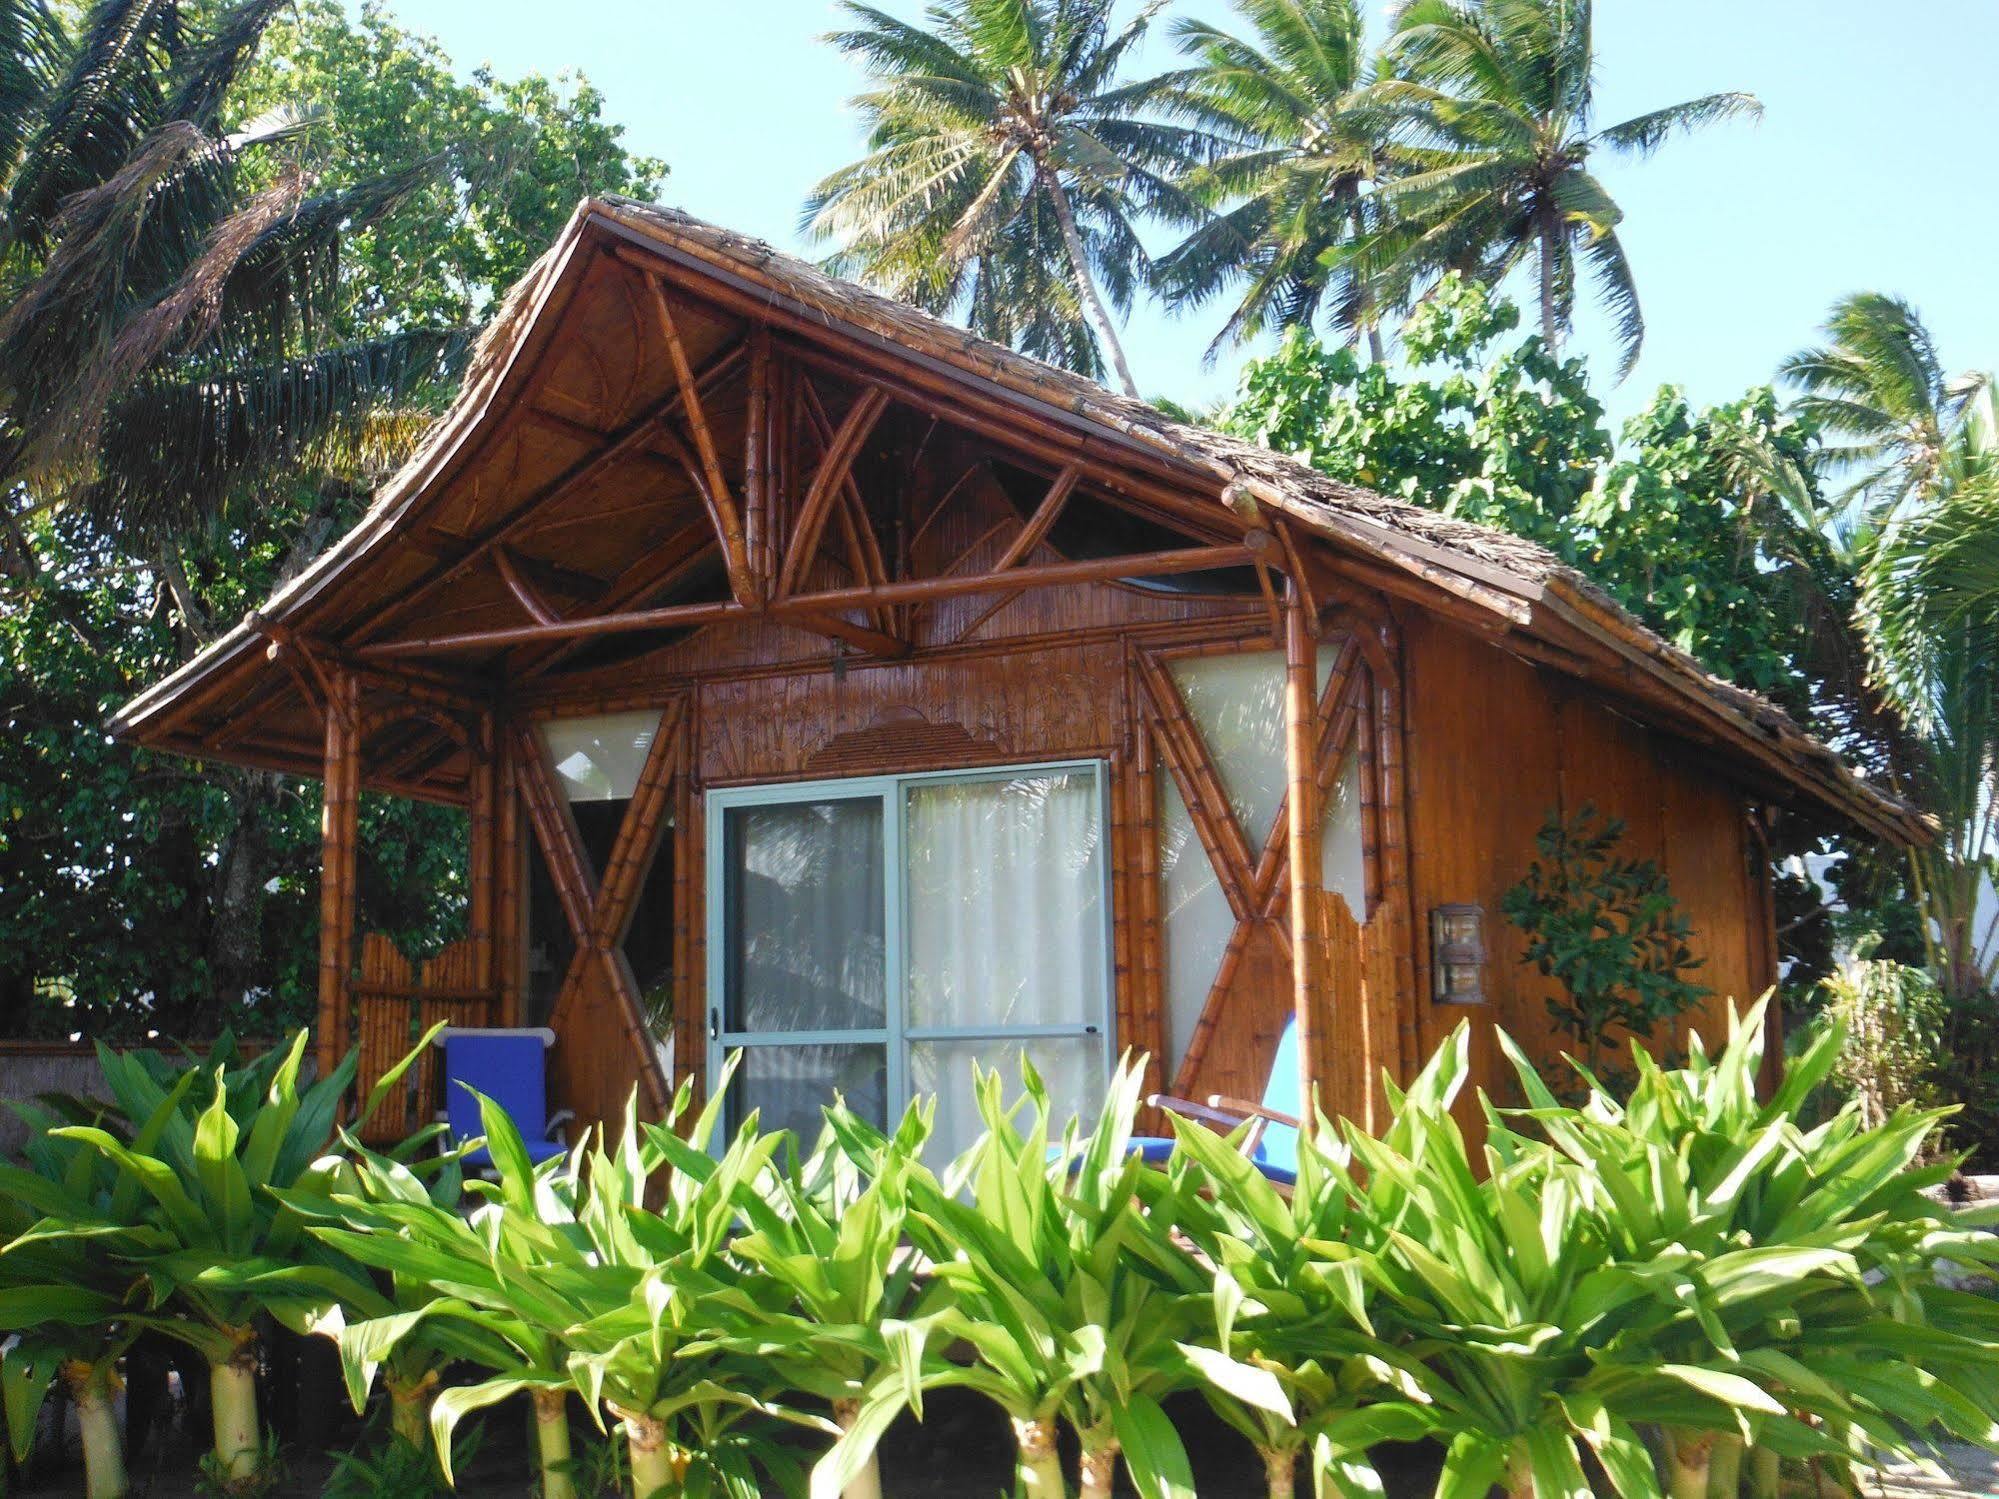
[
  {"x": 1005, "y": 902},
  {"x": 1237, "y": 702},
  {"x": 790, "y": 1085},
  {"x": 599, "y": 759},
  {"x": 1195, "y": 915},
  {"x": 1072, "y": 1067},
  {"x": 805, "y": 908},
  {"x": 1342, "y": 854}
]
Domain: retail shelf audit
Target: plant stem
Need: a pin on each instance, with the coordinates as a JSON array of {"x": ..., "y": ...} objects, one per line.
[
  {"x": 1519, "y": 1474},
  {"x": 658, "y": 1467},
  {"x": 1766, "y": 1473},
  {"x": 1688, "y": 1455},
  {"x": 551, "y": 1442},
  {"x": 866, "y": 1484},
  {"x": 232, "y": 1393},
  {"x": 1724, "y": 1474},
  {"x": 91, "y": 1387},
  {"x": 409, "y": 1408},
  {"x": 1280, "y": 1472},
  {"x": 1040, "y": 1463},
  {"x": 1100, "y": 1454}
]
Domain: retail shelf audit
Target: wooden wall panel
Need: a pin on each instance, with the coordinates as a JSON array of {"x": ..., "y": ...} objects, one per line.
[
  {"x": 1048, "y": 705},
  {"x": 1495, "y": 745},
  {"x": 1482, "y": 772}
]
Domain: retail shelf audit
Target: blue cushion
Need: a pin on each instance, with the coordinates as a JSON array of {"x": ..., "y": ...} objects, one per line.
[
  {"x": 481, "y": 1159},
  {"x": 1155, "y": 1151},
  {"x": 509, "y": 1068}
]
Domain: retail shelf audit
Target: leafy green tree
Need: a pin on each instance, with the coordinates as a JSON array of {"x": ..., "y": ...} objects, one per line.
[
  {"x": 1305, "y": 147},
  {"x": 1498, "y": 106},
  {"x": 1008, "y": 165},
  {"x": 1706, "y": 523},
  {"x": 515, "y": 157},
  {"x": 143, "y": 892}
]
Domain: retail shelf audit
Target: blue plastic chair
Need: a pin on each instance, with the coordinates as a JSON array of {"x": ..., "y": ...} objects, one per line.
[
  {"x": 1271, "y": 1141},
  {"x": 511, "y": 1068}
]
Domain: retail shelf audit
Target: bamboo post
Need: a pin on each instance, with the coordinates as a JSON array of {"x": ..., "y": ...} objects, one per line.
[
  {"x": 339, "y": 830},
  {"x": 509, "y": 882},
  {"x": 1308, "y": 957},
  {"x": 481, "y": 853}
]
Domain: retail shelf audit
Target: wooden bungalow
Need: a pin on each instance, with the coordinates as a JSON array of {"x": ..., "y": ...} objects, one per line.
[{"x": 823, "y": 681}]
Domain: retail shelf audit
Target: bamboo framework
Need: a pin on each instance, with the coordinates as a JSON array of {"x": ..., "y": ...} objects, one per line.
[{"x": 810, "y": 529}]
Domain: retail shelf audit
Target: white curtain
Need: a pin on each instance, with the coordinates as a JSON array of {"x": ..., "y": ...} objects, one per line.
[
  {"x": 1005, "y": 917},
  {"x": 1005, "y": 924}
]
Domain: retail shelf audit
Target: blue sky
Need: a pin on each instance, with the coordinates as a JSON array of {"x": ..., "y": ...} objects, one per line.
[{"x": 1874, "y": 166}]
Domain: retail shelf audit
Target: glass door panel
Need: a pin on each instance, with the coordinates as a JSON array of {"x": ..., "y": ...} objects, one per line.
[
  {"x": 788, "y": 1086},
  {"x": 806, "y": 917},
  {"x": 804, "y": 946}
]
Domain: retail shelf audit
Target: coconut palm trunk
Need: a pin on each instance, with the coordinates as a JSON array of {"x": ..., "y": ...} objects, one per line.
[
  {"x": 92, "y": 1389},
  {"x": 1086, "y": 286},
  {"x": 1551, "y": 328}
]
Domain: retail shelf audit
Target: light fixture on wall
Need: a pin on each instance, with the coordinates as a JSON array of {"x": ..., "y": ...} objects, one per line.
[{"x": 1457, "y": 954}]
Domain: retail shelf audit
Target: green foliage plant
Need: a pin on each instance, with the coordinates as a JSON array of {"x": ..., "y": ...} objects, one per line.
[
  {"x": 593, "y": 1290},
  {"x": 1895, "y": 1020},
  {"x": 1606, "y": 928},
  {"x": 829, "y": 1231},
  {"x": 1051, "y": 1256},
  {"x": 1798, "y": 1265},
  {"x": 195, "y": 1221}
]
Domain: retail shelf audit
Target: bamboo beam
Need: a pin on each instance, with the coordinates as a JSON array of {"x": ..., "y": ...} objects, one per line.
[
  {"x": 653, "y": 572},
  {"x": 525, "y": 594},
  {"x": 1031, "y": 536},
  {"x": 555, "y": 830},
  {"x": 721, "y": 502},
  {"x": 835, "y": 627},
  {"x": 828, "y": 482},
  {"x": 759, "y": 499},
  {"x": 636, "y": 436},
  {"x": 339, "y": 832},
  {"x": 481, "y": 854},
  {"x": 638, "y": 832},
  {"x": 863, "y": 550},
  {"x": 1308, "y": 957},
  {"x": 1052, "y": 575}
]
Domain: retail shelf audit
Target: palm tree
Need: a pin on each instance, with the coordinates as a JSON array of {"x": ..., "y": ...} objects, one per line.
[
  {"x": 1879, "y": 387},
  {"x": 1006, "y": 171},
  {"x": 164, "y": 281},
  {"x": 1497, "y": 104},
  {"x": 1307, "y": 144},
  {"x": 1919, "y": 450}
]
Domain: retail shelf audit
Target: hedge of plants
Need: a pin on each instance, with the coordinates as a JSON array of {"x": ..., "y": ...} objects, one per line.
[{"x": 1690, "y": 1290}]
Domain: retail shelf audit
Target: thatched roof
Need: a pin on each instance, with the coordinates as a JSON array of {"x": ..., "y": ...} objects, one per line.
[{"x": 1517, "y": 592}]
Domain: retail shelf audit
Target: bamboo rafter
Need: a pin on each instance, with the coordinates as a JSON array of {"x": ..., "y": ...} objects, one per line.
[
  {"x": 721, "y": 501},
  {"x": 828, "y": 485}
]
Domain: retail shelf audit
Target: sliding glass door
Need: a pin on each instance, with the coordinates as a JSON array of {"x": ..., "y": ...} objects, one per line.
[{"x": 876, "y": 937}]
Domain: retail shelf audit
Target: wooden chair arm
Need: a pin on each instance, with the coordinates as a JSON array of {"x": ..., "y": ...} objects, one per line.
[
  {"x": 1186, "y": 1108},
  {"x": 1248, "y": 1110}
]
